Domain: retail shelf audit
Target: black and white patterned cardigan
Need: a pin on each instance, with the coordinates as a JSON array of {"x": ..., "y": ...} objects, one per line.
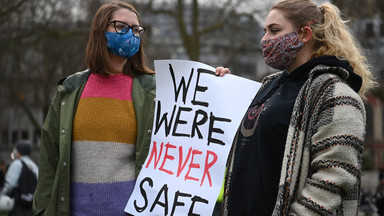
[{"x": 321, "y": 170}]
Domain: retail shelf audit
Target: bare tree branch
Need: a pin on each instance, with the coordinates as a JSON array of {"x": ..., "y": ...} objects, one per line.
[{"x": 9, "y": 7}]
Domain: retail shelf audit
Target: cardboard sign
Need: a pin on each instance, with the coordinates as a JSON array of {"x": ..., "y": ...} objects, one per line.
[{"x": 197, "y": 115}]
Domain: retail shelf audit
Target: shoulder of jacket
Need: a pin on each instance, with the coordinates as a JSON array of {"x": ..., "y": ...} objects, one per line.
[
  {"x": 268, "y": 79},
  {"x": 147, "y": 81},
  {"x": 16, "y": 164},
  {"x": 330, "y": 76},
  {"x": 271, "y": 77},
  {"x": 18, "y": 161},
  {"x": 29, "y": 163},
  {"x": 322, "y": 71},
  {"x": 73, "y": 81}
]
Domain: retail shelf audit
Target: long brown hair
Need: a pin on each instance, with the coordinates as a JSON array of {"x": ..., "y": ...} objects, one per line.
[
  {"x": 97, "y": 55},
  {"x": 331, "y": 35}
]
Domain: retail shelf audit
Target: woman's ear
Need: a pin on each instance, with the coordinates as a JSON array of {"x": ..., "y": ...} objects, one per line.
[{"x": 306, "y": 34}]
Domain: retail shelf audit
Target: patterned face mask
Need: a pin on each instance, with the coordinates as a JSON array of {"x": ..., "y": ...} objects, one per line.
[
  {"x": 123, "y": 45},
  {"x": 279, "y": 52}
]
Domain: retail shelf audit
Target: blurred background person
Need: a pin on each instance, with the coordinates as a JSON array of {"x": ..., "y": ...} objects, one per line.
[
  {"x": 3, "y": 170},
  {"x": 21, "y": 172}
]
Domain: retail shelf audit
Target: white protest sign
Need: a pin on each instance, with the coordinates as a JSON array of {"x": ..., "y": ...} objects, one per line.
[{"x": 197, "y": 115}]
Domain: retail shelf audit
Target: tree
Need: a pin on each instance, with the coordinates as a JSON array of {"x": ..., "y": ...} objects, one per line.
[
  {"x": 361, "y": 9},
  {"x": 196, "y": 19},
  {"x": 369, "y": 9},
  {"x": 39, "y": 45},
  {"x": 44, "y": 41}
]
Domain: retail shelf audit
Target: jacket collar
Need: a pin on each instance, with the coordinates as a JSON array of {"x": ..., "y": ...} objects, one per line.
[{"x": 334, "y": 65}]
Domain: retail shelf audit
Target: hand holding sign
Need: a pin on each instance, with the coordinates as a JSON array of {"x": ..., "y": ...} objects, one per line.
[{"x": 195, "y": 121}]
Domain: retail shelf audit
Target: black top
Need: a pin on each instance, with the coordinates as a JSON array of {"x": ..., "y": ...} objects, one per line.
[{"x": 261, "y": 141}]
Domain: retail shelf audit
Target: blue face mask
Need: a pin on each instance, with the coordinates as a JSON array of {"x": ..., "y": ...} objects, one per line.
[{"x": 123, "y": 45}]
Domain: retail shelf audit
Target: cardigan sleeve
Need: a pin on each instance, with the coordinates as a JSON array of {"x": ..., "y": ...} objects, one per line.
[{"x": 335, "y": 150}]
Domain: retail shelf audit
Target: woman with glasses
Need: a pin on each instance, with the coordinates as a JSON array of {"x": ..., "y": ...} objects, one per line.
[
  {"x": 299, "y": 148},
  {"x": 96, "y": 135}
]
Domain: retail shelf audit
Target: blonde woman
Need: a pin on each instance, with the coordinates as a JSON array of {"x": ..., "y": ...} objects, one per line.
[{"x": 299, "y": 147}]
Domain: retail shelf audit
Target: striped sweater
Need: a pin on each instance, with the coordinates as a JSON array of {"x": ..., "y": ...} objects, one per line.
[
  {"x": 102, "y": 158},
  {"x": 321, "y": 169}
]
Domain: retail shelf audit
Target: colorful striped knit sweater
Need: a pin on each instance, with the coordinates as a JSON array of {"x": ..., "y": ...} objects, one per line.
[{"x": 104, "y": 134}]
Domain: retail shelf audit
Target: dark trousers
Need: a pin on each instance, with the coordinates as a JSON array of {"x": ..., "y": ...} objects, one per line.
[{"x": 19, "y": 211}]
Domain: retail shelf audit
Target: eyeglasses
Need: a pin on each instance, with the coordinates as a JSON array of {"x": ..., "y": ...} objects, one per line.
[{"x": 123, "y": 28}]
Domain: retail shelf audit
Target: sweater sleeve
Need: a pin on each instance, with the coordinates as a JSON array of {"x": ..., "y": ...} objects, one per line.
[{"x": 335, "y": 152}]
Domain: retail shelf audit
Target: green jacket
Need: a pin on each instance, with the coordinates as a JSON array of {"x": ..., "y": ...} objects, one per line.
[{"x": 53, "y": 188}]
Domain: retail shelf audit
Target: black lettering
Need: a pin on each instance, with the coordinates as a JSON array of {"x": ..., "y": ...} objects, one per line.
[
  {"x": 200, "y": 88},
  {"x": 157, "y": 202},
  {"x": 163, "y": 119},
  {"x": 179, "y": 121},
  {"x": 194, "y": 200},
  {"x": 176, "y": 202},
  {"x": 212, "y": 120},
  {"x": 181, "y": 84},
  {"x": 196, "y": 123},
  {"x": 150, "y": 182}
]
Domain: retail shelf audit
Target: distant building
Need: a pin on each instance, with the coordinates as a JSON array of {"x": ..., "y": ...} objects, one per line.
[{"x": 370, "y": 33}]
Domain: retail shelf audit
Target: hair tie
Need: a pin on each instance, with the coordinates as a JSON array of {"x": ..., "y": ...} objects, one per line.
[{"x": 322, "y": 10}]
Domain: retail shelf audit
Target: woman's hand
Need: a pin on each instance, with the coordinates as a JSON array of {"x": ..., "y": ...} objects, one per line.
[{"x": 221, "y": 71}]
